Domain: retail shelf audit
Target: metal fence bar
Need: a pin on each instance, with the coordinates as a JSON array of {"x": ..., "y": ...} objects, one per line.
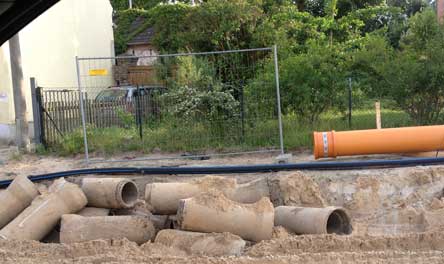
[
  {"x": 278, "y": 97},
  {"x": 82, "y": 111},
  {"x": 225, "y": 118},
  {"x": 176, "y": 54}
]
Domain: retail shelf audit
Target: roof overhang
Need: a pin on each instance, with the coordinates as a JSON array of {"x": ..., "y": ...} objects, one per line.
[{"x": 16, "y": 14}]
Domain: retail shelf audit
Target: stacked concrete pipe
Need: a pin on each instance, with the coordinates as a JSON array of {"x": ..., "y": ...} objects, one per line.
[
  {"x": 113, "y": 193},
  {"x": 304, "y": 220},
  {"x": 16, "y": 198},
  {"x": 38, "y": 219},
  {"x": 213, "y": 212},
  {"x": 76, "y": 228},
  {"x": 165, "y": 197}
]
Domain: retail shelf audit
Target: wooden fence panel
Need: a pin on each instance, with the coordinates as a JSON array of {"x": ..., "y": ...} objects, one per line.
[{"x": 60, "y": 112}]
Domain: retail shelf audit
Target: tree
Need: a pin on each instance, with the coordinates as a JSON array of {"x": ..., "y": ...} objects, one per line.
[
  {"x": 311, "y": 83},
  {"x": 412, "y": 76},
  {"x": 170, "y": 27},
  {"x": 222, "y": 25}
]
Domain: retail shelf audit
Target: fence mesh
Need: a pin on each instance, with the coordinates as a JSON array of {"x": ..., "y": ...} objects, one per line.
[{"x": 194, "y": 104}]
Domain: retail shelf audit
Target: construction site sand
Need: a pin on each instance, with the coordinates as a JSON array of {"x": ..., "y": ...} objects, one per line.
[{"x": 398, "y": 217}]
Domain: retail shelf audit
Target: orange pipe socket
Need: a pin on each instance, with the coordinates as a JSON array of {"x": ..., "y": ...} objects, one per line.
[{"x": 378, "y": 141}]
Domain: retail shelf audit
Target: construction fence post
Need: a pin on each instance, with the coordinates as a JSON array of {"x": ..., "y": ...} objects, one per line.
[
  {"x": 82, "y": 112},
  {"x": 278, "y": 95}
]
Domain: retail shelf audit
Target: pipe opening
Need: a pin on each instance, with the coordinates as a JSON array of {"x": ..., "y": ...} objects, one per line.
[
  {"x": 129, "y": 193},
  {"x": 339, "y": 223}
]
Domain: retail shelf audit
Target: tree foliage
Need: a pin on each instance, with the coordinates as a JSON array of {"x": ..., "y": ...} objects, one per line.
[
  {"x": 413, "y": 76},
  {"x": 393, "y": 50}
]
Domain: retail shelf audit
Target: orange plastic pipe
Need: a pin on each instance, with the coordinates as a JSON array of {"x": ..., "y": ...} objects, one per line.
[{"x": 378, "y": 141}]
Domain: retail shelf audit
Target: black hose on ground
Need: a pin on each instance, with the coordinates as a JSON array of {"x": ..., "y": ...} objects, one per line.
[{"x": 259, "y": 168}]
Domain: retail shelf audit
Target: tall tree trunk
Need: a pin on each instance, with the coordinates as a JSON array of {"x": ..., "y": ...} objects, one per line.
[{"x": 18, "y": 89}]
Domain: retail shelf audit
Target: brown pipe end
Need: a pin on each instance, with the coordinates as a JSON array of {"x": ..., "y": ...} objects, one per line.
[
  {"x": 128, "y": 193},
  {"x": 339, "y": 222}
]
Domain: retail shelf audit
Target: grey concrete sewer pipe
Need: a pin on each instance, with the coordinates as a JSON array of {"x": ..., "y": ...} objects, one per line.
[
  {"x": 38, "y": 219},
  {"x": 250, "y": 192},
  {"x": 113, "y": 193},
  {"x": 208, "y": 244},
  {"x": 16, "y": 198},
  {"x": 213, "y": 212},
  {"x": 305, "y": 220},
  {"x": 94, "y": 211},
  {"x": 76, "y": 228},
  {"x": 159, "y": 221},
  {"x": 165, "y": 197}
]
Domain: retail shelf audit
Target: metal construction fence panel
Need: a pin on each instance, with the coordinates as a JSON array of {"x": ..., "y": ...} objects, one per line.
[{"x": 195, "y": 104}]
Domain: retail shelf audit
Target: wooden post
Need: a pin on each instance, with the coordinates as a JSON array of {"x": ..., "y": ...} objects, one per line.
[
  {"x": 36, "y": 112},
  {"x": 378, "y": 114}
]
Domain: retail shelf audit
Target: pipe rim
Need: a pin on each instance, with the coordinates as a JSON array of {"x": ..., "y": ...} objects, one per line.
[
  {"x": 341, "y": 221},
  {"x": 148, "y": 189},
  {"x": 127, "y": 193},
  {"x": 23, "y": 186}
]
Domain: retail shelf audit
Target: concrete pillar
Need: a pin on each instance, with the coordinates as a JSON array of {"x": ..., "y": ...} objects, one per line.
[
  {"x": 209, "y": 244},
  {"x": 16, "y": 198},
  {"x": 213, "y": 212},
  {"x": 38, "y": 219},
  {"x": 305, "y": 220},
  {"x": 110, "y": 192},
  {"x": 76, "y": 228}
]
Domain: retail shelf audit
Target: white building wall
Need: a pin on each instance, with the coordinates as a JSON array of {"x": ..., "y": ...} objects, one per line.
[{"x": 49, "y": 45}]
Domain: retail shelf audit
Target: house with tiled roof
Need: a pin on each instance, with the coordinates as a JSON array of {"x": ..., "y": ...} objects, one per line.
[{"x": 141, "y": 43}]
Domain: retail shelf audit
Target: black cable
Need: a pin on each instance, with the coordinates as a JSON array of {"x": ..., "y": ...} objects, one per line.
[{"x": 261, "y": 168}]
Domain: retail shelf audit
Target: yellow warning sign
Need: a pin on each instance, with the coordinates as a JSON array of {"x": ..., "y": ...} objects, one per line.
[{"x": 98, "y": 72}]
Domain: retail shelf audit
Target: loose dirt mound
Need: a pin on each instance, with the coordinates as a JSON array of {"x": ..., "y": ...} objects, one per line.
[
  {"x": 398, "y": 217},
  {"x": 334, "y": 243},
  {"x": 295, "y": 189},
  {"x": 388, "y": 201},
  {"x": 426, "y": 248}
]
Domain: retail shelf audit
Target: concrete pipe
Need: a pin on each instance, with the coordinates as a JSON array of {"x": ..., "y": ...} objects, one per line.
[
  {"x": 250, "y": 192},
  {"x": 16, "y": 198},
  {"x": 378, "y": 141},
  {"x": 165, "y": 197},
  {"x": 38, "y": 219},
  {"x": 209, "y": 244},
  {"x": 213, "y": 212},
  {"x": 159, "y": 221},
  {"x": 54, "y": 235},
  {"x": 76, "y": 228},
  {"x": 304, "y": 220},
  {"x": 111, "y": 193},
  {"x": 93, "y": 211}
]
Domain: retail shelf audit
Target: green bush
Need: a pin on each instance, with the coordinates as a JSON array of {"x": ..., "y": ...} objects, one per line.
[
  {"x": 311, "y": 83},
  {"x": 198, "y": 94},
  {"x": 413, "y": 76}
]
